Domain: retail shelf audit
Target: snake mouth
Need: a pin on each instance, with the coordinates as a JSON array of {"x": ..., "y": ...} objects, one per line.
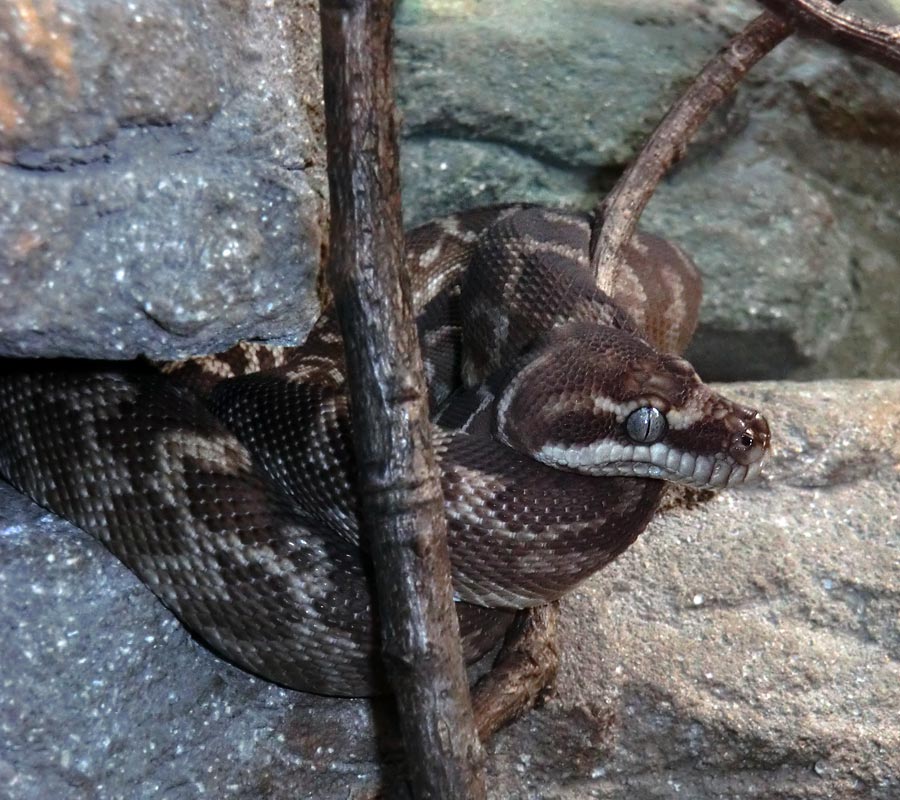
[
  {"x": 707, "y": 473},
  {"x": 656, "y": 461}
]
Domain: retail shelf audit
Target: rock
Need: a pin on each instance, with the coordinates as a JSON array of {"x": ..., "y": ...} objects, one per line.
[
  {"x": 785, "y": 200},
  {"x": 162, "y": 192},
  {"x": 162, "y": 184},
  {"x": 104, "y": 695},
  {"x": 774, "y": 305},
  {"x": 162, "y": 176},
  {"x": 747, "y": 647}
]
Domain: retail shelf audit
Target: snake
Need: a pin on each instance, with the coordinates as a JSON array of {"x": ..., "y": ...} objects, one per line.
[{"x": 561, "y": 407}]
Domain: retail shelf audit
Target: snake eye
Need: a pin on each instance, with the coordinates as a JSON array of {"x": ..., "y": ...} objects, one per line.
[{"x": 646, "y": 425}]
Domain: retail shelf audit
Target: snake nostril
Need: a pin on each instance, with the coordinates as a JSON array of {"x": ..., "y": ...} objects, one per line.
[
  {"x": 761, "y": 429},
  {"x": 749, "y": 445}
]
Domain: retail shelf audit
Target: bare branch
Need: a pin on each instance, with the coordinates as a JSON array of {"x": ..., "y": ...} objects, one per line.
[
  {"x": 880, "y": 43},
  {"x": 617, "y": 215},
  {"x": 401, "y": 498},
  {"x": 526, "y": 665}
]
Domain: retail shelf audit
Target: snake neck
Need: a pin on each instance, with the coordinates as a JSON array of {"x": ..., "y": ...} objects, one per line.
[{"x": 525, "y": 533}]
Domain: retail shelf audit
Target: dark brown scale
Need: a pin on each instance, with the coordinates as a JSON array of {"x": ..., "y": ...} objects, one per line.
[{"x": 547, "y": 283}]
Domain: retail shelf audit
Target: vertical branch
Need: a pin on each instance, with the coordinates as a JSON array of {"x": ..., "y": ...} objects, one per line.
[{"x": 401, "y": 499}]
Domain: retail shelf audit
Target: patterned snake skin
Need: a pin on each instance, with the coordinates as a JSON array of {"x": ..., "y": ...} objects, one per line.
[{"x": 227, "y": 484}]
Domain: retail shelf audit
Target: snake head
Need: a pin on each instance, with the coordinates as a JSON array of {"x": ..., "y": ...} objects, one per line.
[{"x": 600, "y": 401}]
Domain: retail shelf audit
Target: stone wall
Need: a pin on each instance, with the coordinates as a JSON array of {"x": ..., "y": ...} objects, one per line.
[
  {"x": 161, "y": 175},
  {"x": 787, "y": 201},
  {"x": 162, "y": 184}
]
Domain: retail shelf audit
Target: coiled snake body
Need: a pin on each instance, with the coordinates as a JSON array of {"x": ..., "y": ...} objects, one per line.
[{"x": 227, "y": 483}]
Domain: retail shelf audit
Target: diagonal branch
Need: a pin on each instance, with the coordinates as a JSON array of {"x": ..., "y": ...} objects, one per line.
[
  {"x": 525, "y": 666},
  {"x": 401, "y": 499},
  {"x": 616, "y": 217},
  {"x": 880, "y": 43}
]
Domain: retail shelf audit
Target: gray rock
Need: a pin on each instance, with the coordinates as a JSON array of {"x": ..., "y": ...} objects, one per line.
[
  {"x": 104, "y": 695},
  {"x": 162, "y": 177},
  {"x": 747, "y": 648},
  {"x": 786, "y": 200},
  {"x": 782, "y": 291},
  {"x": 577, "y": 87},
  {"x": 162, "y": 168},
  {"x": 744, "y": 648}
]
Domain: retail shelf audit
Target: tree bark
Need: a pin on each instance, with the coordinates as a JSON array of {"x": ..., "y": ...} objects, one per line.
[
  {"x": 526, "y": 665},
  {"x": 401, "y": 499}
]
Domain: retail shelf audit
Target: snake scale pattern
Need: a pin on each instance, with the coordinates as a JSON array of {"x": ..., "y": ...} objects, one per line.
[{"x": 560, "y": 408}]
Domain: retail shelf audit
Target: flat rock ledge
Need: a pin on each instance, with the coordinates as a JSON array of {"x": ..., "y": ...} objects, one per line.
[{"x": 747, "y": 647}]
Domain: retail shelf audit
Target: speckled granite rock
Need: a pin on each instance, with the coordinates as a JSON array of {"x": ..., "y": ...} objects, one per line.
[
  {"x": 787, "y": 201},
  {"x": 104, "y": 695},
  {"x": 161, "y": 175},
  {"x": 748, "y": 648}
]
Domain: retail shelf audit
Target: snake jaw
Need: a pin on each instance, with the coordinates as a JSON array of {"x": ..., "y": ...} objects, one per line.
[{"x": 659, "y": 461}]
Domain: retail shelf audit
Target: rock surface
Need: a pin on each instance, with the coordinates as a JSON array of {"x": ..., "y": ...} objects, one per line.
[
  {"x": 787, "y": 201},
  {"x": 104, "y": 695},
  {"x": 162, "y": 192},
  {"x": 161, "y": 175},
  {"x": 746, "y": 648},
  {"x": 161, "y": 168}
]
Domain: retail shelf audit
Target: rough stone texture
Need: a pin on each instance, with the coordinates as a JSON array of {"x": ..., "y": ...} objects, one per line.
[
  {"x": 161, "y": 167},
  {"x": 787, "y": 201},
  {"x": 748, "y": 648},
  {"x": 161, "y": 175},
  {"x": 104, "y": 695},
  {"x": 161, "y": 191}
]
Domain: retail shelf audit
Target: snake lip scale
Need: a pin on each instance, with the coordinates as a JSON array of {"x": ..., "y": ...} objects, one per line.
[
  {"x": 560, "y": 410},
  {"x": 653, "y": 462}
]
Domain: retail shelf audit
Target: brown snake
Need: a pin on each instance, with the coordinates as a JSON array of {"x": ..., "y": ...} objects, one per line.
[{"x": 227, "y": 484}]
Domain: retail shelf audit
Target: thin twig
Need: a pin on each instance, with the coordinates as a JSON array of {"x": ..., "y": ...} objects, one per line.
[
  {"x": 401, "y": 498},
  {"x": 616, "y": 217},
  {"x": 880, "y": 43}
]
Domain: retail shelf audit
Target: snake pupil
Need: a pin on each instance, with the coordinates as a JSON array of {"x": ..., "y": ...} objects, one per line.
[{"x": 646, "y": 425}]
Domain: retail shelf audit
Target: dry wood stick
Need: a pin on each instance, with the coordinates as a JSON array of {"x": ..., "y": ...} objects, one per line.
[
  {"x": 617, "y": 215},
  {"x": 880, "y": 43},
  {"x": 402, "y": 503},
  {"x": 527, "y": 663}
]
